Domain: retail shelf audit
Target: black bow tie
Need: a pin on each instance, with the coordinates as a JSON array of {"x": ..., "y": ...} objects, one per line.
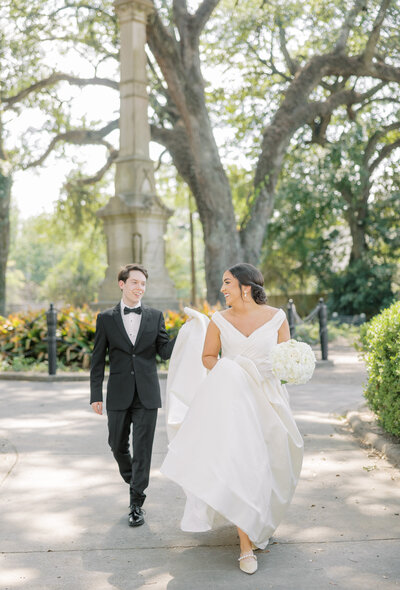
[{"x": 137, "y": 310}]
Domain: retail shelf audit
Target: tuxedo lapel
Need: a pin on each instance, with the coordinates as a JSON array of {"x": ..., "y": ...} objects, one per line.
[
  {"x": 143, "y": 322},
  {"x": 120, "y": 324}
]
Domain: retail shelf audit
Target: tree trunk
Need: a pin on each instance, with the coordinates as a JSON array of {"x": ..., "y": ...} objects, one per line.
[
  {"x": 5, "y": 195},
  {"x": 196, "y": 156},
  {"x": 214, "y": 203},
  {"x": 356, "y": 217},
  {"x": 356, "y": 221},
  {"x": 194, "y": 151}
]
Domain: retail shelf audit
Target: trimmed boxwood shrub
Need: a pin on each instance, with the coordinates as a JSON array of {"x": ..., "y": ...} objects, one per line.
[{"x": 380, "y": 346}]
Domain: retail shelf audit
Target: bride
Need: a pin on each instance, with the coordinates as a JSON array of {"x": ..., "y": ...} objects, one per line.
[{"x": 235, "y": 447}]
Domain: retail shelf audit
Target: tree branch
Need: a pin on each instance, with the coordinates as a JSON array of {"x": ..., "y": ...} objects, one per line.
[
  {"x": 79, "y": 137},
  {"x": 176, "y": 142},
  {"x": 376, "y": 32},
  {"x": 80, "y": 5},
  {"x": 374, "y": 140},
  {"x": 165, "y": 50},
  {"x": 384, "y": 153},
  {"x": 292, "y": 65},
  {"x": 383, "y": 99},
  {"x": 348, "y": 25},
  {"x": 100, "y": 173},
  {"x": 180, "y": 12},
  {"x": 347, "y": 97},
  {"x": 202, "y": 15},
  {"x": 270, "y": 64},
  {"x": 53, "y": 79}
]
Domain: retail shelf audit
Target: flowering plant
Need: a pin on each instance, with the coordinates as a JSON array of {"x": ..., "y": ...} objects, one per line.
[{"x": 293, "y": 361}]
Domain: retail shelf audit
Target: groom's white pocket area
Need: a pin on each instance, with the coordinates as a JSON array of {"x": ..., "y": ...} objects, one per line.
[{"x": 186, "y": 370}]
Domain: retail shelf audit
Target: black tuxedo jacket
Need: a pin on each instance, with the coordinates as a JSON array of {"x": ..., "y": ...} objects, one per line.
[{"x": 130, "y": 365}]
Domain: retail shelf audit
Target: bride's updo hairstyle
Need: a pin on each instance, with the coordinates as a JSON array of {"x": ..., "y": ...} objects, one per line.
[{"x": 249, "y": 275}]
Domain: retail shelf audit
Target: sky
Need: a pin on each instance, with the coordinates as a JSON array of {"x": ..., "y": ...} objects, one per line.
[{"x": 34, "y": 192}]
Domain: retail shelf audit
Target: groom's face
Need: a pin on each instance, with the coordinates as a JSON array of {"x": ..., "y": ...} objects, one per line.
[{"x": 133, "y": 288}]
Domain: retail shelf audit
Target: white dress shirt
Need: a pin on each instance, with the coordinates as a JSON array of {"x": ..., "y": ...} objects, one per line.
[{"x": 131, "y": 322}]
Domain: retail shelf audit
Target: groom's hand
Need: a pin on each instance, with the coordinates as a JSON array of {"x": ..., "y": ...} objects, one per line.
[{"x": 97, "y": 407}]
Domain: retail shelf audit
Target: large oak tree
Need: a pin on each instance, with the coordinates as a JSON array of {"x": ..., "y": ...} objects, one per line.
[{"x": 309, "y": 58}]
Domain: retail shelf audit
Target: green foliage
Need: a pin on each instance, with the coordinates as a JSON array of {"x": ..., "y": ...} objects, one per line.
[
  {"x": 61, "y": 258},
  {"x": 80, "y": 201},
  {"x": 364, "y": 287},
  {"x": 380, "y": 346},
  {"x": 176, "y": 195},
  {"x": 23, "y": 344},
  {"x": 34, "y": 249},
  {"x": 321, "y": 189},
  {"x": 310, "y": 332},
  {"x": 76, "y": 277},
  {"x": 23, "y": 338},
  {"x": 304, "y": 240},
  {"x": 243, "y": 58}
]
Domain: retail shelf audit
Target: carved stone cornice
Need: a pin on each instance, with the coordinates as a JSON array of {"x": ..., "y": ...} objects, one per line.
[{"x": 129, "y": 10}]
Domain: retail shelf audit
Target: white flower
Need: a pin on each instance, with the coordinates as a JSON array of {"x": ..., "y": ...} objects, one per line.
[{"x": 293, "y": 361}]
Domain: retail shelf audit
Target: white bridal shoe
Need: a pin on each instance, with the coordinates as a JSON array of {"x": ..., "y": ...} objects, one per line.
[{"x": 248, "y": 563}]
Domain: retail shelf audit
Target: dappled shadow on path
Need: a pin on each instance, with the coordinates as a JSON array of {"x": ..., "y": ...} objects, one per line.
[{"x": 78, "y": 504}]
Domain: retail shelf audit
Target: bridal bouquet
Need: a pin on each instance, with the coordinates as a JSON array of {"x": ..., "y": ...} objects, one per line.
[{"x": 293, "y": 361}]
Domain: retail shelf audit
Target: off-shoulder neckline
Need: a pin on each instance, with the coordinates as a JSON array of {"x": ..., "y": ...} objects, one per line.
[{"x": 256, "y": 330}]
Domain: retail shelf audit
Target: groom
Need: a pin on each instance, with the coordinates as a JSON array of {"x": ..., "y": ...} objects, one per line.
[{"x": 132, "y": 334}]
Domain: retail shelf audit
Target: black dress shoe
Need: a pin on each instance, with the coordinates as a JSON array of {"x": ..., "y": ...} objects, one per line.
[{"x": 136, "y": 517}]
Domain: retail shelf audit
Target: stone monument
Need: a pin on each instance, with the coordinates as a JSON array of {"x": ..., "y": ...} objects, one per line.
[{"x": 135, "y": 219}]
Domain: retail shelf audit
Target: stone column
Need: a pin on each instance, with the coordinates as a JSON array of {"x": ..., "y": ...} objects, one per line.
[{"x": 135, "y": 219}]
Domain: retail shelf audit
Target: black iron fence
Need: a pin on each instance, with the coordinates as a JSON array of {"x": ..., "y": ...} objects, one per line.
[
  {"x": 51, "y": 318},
  {"x": 52, "y": 339},
  {"x": 319, "y": 312}
]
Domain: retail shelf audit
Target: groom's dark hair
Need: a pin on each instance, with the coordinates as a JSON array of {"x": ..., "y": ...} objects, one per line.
[
  {"x": 125, "y": 270},
  {"x": 249, "y": 275}
]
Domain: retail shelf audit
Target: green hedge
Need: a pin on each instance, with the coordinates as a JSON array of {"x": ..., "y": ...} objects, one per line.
[{"x": 380, "y": 346}]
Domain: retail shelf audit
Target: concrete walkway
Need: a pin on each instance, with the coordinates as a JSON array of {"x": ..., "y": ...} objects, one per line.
[{"x": 63, "y": 507}]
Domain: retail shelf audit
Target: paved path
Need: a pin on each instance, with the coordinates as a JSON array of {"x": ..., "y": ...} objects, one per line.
[{"x": 63, "y": 508}]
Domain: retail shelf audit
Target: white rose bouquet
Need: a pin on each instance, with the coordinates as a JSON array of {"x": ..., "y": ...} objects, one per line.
[{"x": 293, "y": 361}]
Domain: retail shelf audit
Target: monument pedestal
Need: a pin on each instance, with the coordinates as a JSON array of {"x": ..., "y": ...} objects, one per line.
[
  {"x": 135, "y": 234},
  {"x": 135, "y": 220}
]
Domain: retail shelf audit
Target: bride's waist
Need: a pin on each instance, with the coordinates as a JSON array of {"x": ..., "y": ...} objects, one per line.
[{"x": 263, "y": 366}]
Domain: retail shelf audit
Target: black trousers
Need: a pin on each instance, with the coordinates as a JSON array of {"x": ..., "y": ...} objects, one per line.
[{"x": 135, "y": 468}]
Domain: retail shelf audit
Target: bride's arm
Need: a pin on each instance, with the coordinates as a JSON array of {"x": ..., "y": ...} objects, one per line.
[
  {"x": 212, "y": 346},
  {"x": 284, "y": 332}
]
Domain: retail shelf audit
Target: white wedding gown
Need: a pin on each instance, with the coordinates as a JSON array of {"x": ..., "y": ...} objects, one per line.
[{"x": 234, "y": 445}]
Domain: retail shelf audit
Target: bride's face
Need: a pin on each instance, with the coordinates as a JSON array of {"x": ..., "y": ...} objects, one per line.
[{"x": 230, "y": 288}]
